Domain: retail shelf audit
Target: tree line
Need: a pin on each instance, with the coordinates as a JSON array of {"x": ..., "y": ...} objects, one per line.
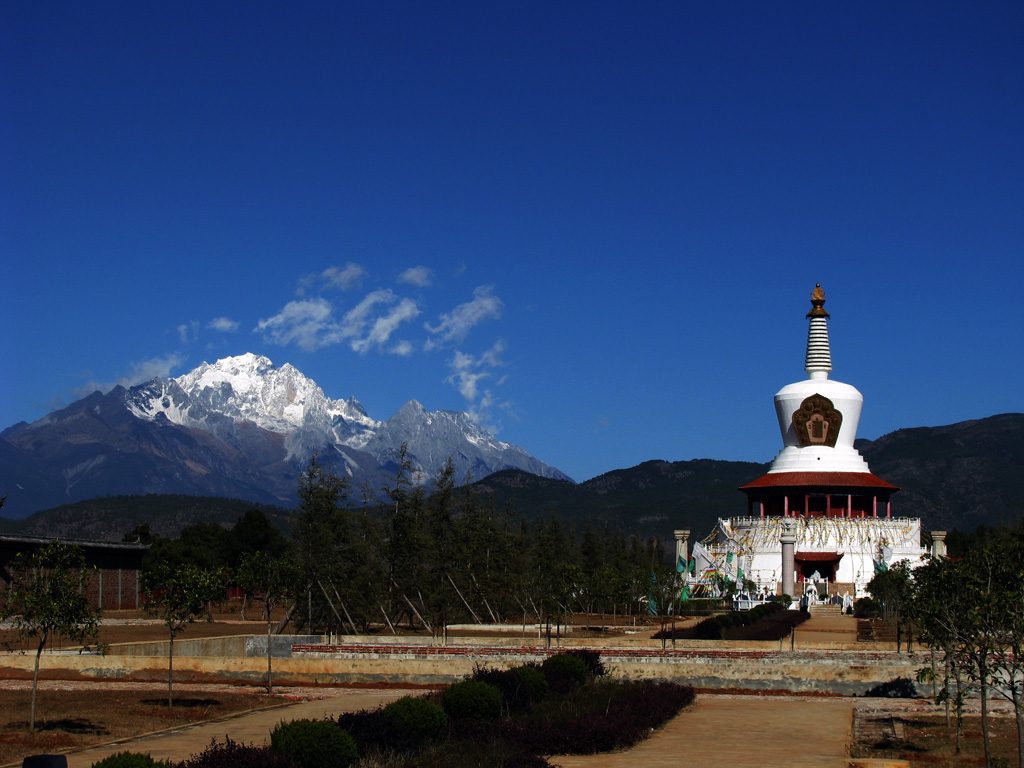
[{"x": 425, "y": 557}]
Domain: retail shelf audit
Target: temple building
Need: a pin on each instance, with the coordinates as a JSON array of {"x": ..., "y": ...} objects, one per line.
[{"x": 819, "y": 508}]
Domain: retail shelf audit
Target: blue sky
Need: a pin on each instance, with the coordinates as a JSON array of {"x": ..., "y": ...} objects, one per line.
[{"x": 593, "y": 225}]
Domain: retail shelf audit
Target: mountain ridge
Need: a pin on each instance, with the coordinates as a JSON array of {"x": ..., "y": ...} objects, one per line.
[
  {"x": 958, "y": 476},
  {"x": 239, "y": 427}
]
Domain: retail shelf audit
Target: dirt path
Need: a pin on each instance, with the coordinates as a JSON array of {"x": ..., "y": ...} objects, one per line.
[{"x": 741, "y": 732}]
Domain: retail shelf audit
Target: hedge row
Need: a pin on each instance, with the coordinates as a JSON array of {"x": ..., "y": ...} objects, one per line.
[
  {"x": 500, "y": 718},
  {"x": 769, "y": 621}
]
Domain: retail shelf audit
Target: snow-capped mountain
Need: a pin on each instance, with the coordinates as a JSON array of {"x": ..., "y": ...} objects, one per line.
[
  {"x": 248, "y": 388},
  {"x": 237, "y": 427}
]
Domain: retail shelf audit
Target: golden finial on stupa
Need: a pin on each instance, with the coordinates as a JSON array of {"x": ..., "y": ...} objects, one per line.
[{"x": 818, "y": 302}]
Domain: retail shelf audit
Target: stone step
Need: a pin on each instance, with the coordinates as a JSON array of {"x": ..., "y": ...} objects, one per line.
[{"x": 827, "y": 609}]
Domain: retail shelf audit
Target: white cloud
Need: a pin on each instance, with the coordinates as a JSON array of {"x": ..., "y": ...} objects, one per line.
[
  {"x": 356, "y": 319},
  {"x": 419, "y": 276},
  {"x": 466, "y": 376},
  {"x": 344, "y": 278},
  {"x": 384, "y": 326},
  {"x": 308, "y": 323},
  {"x": 360, "y": 317},
  {"x": 349, "y": 277},
  {"x": 454, "y": 325},
  {"x": 138, "y": 373},
  {"x": 223, "y": 324},
  {"x": 187, "y": 331},
  {"x": 468, "y": 372}
]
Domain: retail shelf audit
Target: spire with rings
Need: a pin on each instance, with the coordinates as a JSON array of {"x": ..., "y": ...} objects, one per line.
[{"x": 818, "y": 362}]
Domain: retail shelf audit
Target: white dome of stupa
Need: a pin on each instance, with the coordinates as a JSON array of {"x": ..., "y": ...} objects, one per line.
[{"x": 818, "y": 417}]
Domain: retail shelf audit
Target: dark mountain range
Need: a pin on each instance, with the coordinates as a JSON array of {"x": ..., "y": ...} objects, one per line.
[
  {"x": 109, "y": 518},
  {"x": 958, "y": 476}
]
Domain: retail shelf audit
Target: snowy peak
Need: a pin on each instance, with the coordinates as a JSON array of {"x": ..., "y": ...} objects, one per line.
[
  {"x": 230, "y": 396},
  {"x": 251, "y": 388}
]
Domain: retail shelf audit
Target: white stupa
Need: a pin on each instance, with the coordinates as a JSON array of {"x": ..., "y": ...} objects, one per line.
[{"x": 819, "y": 496}]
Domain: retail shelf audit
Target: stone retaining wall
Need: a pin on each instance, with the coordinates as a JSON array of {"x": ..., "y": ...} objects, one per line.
[{"x": 389, "y": 664}]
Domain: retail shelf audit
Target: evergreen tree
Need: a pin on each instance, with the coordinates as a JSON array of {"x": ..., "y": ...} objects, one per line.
[{"x": 322, "y": 533}]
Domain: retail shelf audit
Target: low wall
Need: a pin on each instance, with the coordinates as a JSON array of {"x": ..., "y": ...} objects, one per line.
[
  {"x": 231, "y": 646},
  {"x": 387, "y": 664}
]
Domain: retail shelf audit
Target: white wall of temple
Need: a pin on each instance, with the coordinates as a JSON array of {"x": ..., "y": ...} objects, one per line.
[{"x": 755, "y": 544}]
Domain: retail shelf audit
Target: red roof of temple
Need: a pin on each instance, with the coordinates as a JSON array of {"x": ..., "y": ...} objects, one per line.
[
  {"x": 819, "y": 480},
  {"x": 814, "y": 557}
]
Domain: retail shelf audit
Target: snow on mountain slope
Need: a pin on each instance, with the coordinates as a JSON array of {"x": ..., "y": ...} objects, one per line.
[{"x": 249, "y": 388}]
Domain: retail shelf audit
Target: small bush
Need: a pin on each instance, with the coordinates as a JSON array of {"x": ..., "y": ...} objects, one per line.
[
  {"x": 472, "y": 700},
  {"x": 423, "y": 719},
  {"x": 231, "y": 754},
  {"x": 481, "y": 751},
  {"x": 867, "y": 608},
  {"x": 372, "y": 730},
  {"x": 564, "y": 672},
  {"x": 129, "y": 760},
  {"x": 533, "y": 679},
  {"x": 595, "y": 667},
  {"x": 709, "y": 629},
  {"x": 314, "y": 743},
  {"x": 520, "y": 687},
  {"x": 900, "y": 688}
]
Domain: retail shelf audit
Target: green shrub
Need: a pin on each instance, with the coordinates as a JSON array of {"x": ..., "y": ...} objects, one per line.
[
  {"x": 471, "y": 700},
  {"x": 314, "y": 743},
  {"x": 231, "y": 754},
  {"x": 899, "y": 688},
  {"x": 129, "y": 760},
  {"x": 867, "y": 608},
  {"x": 533, "y": 680},
  {"x": 709, "y": 629},
  {"x": 424, "y": 719},
  {"x": 564, "y": 672},
  {"x": 595, "y": 667}
]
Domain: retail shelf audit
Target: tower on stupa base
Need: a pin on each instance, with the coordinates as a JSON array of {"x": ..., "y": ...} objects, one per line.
[{"x": 818, "y": 524}]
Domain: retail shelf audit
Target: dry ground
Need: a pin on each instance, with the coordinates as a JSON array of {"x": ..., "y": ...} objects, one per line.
[
  {"x": 137, "y": 626},
  {"x": 923, "y": 739},
  {"x": 75, "y": 715}
]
